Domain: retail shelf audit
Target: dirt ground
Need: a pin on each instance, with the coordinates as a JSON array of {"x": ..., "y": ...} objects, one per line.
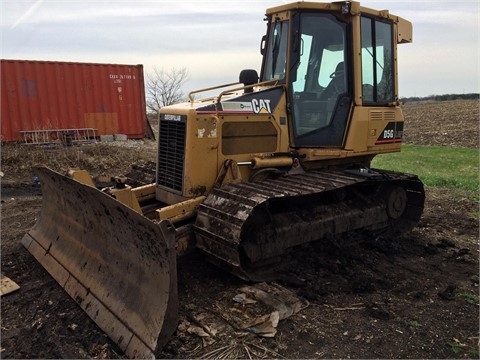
[{"x": 414, "y": 296}]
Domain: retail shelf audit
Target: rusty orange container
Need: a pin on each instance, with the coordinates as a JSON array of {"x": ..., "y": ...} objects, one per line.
[{"x": 51, "y": 96}]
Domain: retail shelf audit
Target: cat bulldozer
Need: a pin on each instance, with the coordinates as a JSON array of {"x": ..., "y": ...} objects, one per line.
[{"x": 273, "y": 161}]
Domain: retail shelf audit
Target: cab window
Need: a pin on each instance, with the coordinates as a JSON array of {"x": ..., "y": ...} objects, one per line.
[
  {"x": 277, "y": 52},
  {"x": 377, "y": 61}
]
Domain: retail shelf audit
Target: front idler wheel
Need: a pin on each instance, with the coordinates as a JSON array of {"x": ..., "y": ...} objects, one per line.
[{"x": 395, "y": 199}]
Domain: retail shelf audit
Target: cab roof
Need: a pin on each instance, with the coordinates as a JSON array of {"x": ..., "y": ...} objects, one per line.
[{"x": 348, "y": 7}]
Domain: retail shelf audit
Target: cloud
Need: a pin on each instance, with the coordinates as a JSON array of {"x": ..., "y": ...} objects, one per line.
[{"x": 216, "y": 39}]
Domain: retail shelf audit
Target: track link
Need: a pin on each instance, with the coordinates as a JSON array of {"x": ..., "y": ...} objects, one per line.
[{"x": 245, "y": 228}]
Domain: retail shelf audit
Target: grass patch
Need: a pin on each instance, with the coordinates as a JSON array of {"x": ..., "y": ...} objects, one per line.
[
  {"x": 435, "y": 165},
  {"x": 470, "y": 298},
  {"x": 473, "y": 353},
  {"x": 458, "y": 347},
  {"x": 414, "y": 323}
]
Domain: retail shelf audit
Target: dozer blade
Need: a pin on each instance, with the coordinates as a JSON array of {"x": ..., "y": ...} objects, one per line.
[{"x": 116, "y": 264}]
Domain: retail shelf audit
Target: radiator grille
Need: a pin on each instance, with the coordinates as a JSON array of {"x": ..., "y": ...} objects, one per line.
[
  {"x": 171, "y": 151},
  {"x": 382, "y": 115}
]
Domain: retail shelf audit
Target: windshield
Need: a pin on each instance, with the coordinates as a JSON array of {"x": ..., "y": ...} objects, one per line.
[
  {"x": 319, "y": 81},
  {"x": 277, "y": 52}
]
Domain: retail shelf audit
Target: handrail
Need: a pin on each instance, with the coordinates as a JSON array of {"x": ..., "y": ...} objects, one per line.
[
  {"x": 190, "y": 95},
  {"x": 246, "y": 87}
]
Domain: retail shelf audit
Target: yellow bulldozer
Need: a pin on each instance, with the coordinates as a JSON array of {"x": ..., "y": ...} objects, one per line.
[{"x": 273, "y": 161}]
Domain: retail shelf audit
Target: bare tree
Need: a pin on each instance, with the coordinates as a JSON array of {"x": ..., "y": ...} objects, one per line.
[{"x": 165, "y": 87}]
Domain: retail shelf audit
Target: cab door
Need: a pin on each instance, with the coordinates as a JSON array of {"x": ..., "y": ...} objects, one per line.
[{"x": 320, "y": 95}]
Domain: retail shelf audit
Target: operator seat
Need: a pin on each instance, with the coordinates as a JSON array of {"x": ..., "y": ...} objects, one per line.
[{"x": 337, "y": 85}]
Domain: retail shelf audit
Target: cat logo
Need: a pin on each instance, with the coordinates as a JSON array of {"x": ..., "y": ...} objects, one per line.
[{"x": 261, "y": 106}]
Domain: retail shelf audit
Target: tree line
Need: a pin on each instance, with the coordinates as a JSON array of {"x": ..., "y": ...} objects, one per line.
[{"x": 445, "y": 97}]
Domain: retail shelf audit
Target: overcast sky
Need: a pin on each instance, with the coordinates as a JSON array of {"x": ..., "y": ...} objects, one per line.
[{"x": 214, "y": 40}]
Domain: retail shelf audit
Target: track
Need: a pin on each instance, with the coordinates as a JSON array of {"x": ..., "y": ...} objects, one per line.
[{"x": 247, "y": 228}]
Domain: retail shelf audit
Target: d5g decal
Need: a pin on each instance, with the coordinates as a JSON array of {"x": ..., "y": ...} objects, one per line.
[{"x": 393, "y": 133}]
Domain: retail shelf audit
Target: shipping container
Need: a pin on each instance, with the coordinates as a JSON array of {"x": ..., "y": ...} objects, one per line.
[{"x": 71, "y": 99}]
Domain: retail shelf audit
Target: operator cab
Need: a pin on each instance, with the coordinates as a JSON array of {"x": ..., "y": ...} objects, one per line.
[{"x": 318, "y": 70}]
